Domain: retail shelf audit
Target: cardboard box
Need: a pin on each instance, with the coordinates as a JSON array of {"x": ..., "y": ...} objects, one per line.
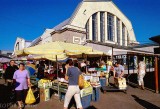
[
  {"x": 120, "y": 83},
  {"x": 44, "y": 94}
]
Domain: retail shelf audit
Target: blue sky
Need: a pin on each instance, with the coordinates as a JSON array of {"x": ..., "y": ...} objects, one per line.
[{"x": 29, "y": 18}]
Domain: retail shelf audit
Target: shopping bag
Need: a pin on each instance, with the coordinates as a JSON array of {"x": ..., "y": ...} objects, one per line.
[
  {"x": 81, "y": 81},
  {"x": 30, "y": 99}
]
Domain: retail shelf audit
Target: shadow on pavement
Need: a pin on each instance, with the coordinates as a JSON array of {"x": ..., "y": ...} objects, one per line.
[
  {"x": 144, "y": 103},
  {"x": 73, "y": 104},
  {"x": 91, "y": 107},
  {"x": 7, "y": 97}
]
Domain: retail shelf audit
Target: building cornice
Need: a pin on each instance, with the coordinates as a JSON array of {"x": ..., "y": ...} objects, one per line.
[
  {"x": 119, "y": 47},
  {"x": 68, "y": 29}
]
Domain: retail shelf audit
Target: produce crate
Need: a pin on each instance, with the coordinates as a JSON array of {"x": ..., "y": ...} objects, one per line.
[
  {"x": 86, "y": 91},
  {"x": 44, "y": 94},
  {"x": 62, "y": 96},
  {"x": 120, "y": 83},
  {"x": 86, "y": 101},
  {"x": 45, "y": 85},
  {"x": 96, "y": 94},
  {"x": 103, "y": 82}
]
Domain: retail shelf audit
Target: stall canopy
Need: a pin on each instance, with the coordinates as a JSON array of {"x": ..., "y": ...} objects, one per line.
[
  {"x": 51, "y": 57},
  {"x": 61, "y": 50},
  {"x": 156, "y": 39},
  {"x": 4, "y": 59},
  {"x": 55, "y": 48}
]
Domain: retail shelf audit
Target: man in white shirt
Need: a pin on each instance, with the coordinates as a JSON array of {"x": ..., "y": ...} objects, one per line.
[
  {"x": 141, "y": 72},
  {"x": 118, "y": 70}
]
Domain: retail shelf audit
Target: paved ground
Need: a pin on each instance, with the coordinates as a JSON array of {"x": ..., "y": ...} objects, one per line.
[{"x": 134, "y": 99}]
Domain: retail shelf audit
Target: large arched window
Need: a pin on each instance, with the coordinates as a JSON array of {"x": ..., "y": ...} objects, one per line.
[
  {"x": 17, "y": 46},
  {"x": 103, "y": 26},
  {"x": 110, "y": 26}
]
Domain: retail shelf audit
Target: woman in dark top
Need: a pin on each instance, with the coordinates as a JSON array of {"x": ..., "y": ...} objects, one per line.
[{"x": 9, "y": 74}]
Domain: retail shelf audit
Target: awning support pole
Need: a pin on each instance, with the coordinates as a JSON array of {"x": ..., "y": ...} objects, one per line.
[
  {"x": 57, "y": 77},
  {"x": 156, "y": 75}
]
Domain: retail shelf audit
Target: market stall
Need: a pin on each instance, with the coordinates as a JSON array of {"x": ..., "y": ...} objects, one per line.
[{"x": 58, "y": 51}]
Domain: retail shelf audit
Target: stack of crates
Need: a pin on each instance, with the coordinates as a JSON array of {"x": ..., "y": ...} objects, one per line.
[
  {"x": 96, "y": 94},
  {"x": 86, "y": 101},
  {"x": 44, "y": 94},
  {"x": 103, "y": 82}
]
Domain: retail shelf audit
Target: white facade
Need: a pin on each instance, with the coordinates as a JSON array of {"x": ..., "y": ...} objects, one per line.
[
  {"x": 46, "y": 36},
  {"x": 93, "y": 20},
  {"x": 21, "y": 44},
  {"x": 102, "y": 21}
]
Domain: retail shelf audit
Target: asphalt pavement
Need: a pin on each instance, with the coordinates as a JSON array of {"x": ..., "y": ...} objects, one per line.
[{"x": 135, "y": 98}]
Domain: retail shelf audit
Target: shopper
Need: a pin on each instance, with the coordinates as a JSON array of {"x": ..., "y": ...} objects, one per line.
[
  {"x": 67, "y": 66},
  {"x": 73, "y": 88},
  {"x": 41, "y": 68},
  {"x": 141, "y": 72},
  {"x": 109, "y": 65},
  {"x": 22, "y": 81},
  {"x": 103, "y": 65},
  {"x": 9, "y": 73},
  {"x": 118, "y": 70}
]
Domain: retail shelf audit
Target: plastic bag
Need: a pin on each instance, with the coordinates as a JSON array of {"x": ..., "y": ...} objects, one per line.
[
  {"x": 81, "y": 82},
  {"x": 30, "y": 99},
  {"x": 86, "y": 84}
]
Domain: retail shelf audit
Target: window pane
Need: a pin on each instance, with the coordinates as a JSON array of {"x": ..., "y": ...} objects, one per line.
[
  {"x": 87, "y": 30},
  {"x": 110, "y": 24},
  {"x": 102, "y": 23},
  {"x": 94, "y": 27},
  {"x": 123, "y": 35},
  {"x": 118, "y": 31}
]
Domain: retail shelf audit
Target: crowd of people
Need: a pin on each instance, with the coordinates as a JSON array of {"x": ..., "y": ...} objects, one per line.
[{"x": 17, "y": 77}]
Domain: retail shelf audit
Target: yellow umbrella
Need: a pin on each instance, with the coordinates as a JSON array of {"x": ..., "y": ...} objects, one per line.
[
  {"x": 53, "y": 49},
  {"x": 48, "y": 48},
  {"x": 19, "y": 52},
  {"x": 58, "y": 48},
  {"x": 51, "y": 57}
]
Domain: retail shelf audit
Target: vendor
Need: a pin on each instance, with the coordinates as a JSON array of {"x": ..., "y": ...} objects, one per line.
[
  {"x": 103, "y": 65},
  {"x": 41, "y": 69},
  {"x": 73, "y": 88},
  {"x": 109, "y": 64},
  {"x": 118, "y": 70}
]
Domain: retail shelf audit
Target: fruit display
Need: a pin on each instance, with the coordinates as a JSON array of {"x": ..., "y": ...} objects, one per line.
[{"x": 44, "y": 83}]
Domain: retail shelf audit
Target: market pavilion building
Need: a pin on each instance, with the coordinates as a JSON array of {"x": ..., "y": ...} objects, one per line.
[
  {"x": 101, "y": 25},
  {"x": 93, "y": 21}
]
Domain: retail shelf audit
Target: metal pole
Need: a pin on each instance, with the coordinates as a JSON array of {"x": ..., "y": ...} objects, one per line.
[
  {"x": 57, "y": 76},
  {"x": 112, "y": 54},
  {"x": 156, "y": 74},
  {"x": 128, "y": 63},
  {"x": 86, "y": 64},
  {"x": 133, "y": 63}
]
